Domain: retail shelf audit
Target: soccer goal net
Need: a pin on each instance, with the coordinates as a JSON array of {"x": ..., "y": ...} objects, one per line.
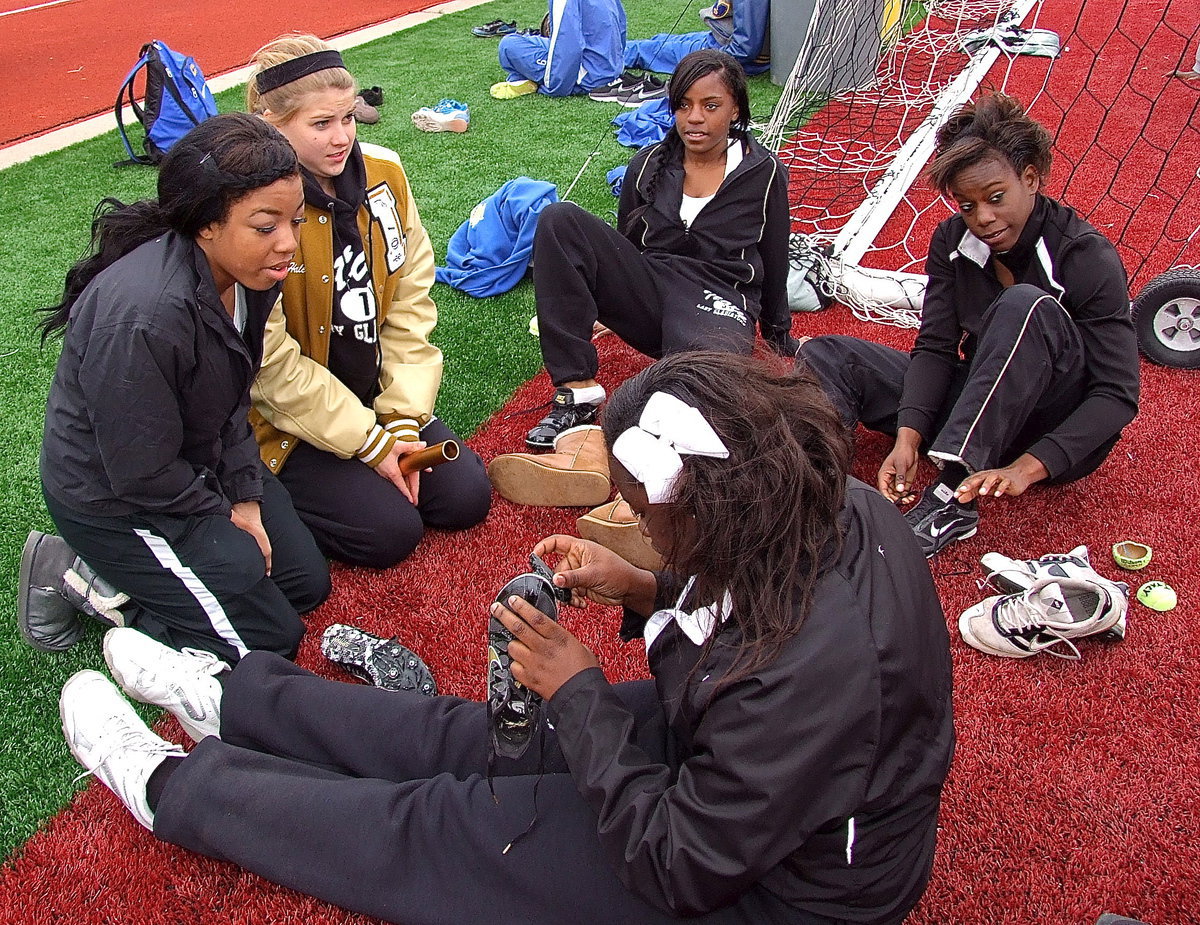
[{"x": 1101, "y": 75}]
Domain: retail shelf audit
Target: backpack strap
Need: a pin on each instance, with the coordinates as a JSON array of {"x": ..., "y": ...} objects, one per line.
[{"x": 127, "y": 86}]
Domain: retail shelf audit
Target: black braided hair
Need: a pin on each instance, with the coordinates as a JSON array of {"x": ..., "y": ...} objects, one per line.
[{"x": 213, "y": 166}]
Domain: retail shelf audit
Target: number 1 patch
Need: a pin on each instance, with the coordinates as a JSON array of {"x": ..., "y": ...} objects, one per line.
[{"x": 382, "y": 204}]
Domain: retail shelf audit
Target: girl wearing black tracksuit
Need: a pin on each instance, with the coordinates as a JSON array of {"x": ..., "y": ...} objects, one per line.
[
  {"x": 1025, "y": 367},
  {"x": 680, "y": 271}
]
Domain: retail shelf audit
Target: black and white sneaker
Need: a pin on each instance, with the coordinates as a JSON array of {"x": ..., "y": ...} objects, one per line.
[
  {"x": 938, "y": 520},
  {"x": 1013, "y": 576},
  {"x": 384, "y": 663},
  {"x": 494, "y": 29},
  {"x": 564, "y": 414},
  {"x": 514, "y": 711},
  {"x": 630, "y": 90}
]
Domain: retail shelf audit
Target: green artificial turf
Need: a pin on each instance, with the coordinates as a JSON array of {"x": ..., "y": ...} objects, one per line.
[{"x": 45, "y": 208}]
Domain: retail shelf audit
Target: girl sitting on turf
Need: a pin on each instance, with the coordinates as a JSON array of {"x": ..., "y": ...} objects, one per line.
[
  {"x": 1025, "y": 367},
  {"x": 700, "y": 258},
  {"x": 149, "y": 468},
  {"x": 349, "y": 377},
  {"x": 784, "y": 765}
]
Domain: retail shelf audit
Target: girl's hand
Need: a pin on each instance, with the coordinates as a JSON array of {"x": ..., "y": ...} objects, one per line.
[
  {"x": 544, "y": 655},
  {"x": 1011, "y": 480},
  {"x": 593, "y": 573},
  {"x": 409, "y": 485},
  {"x": 247, "y": 515},
  {"x": 899, "y": 469}
]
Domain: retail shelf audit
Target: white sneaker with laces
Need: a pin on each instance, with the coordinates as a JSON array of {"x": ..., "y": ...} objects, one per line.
[
  {"x": 183, "y": 683},
  {"x": 110, "y": 740},
  {"x": 1044, "y": 618},
  {"x": 1013, "y": 576}
]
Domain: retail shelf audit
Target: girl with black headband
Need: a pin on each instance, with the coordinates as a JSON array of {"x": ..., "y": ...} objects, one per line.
[
  {"x": 349, "y": 377},
  {"x": 169, "y": 522},
  {"x": 784, "y": 765}
]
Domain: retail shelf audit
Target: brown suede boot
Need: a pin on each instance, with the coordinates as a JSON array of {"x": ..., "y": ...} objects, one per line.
[
  {"x": 574, "y": 475},
  {"x": 613, "y": 525}
]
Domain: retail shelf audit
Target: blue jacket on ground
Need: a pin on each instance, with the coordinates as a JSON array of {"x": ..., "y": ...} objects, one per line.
[
  {"x": 645, "y": 125},
  {"x": 490, "y": 251},
  {"x": 585, "y": 50},
  {"x": 664, "y": 51}
]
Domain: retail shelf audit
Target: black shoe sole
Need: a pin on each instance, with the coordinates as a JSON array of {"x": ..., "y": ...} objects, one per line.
[{"x": 514, "y": 711}]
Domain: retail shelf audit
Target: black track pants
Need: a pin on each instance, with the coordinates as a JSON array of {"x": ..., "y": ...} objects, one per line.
[
  {"x": 377, "y": 801},
  {"x": 586, "y": 271},
  {"x": 1026, "y": 377},
  {"x": 359, "y": 517},
  {"x": 199, "y": 581}
]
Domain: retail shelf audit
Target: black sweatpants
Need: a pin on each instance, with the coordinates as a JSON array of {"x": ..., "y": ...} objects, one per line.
[
  {"x": 377, "y": 801},
  {"x": 1026, "y": 377},
  {"x": 200, "y": 581},
  {"x": 586, "y": 271},
  {"x": 359, "y": 517}
]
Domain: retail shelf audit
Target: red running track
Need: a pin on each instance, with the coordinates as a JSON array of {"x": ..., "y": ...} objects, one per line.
[{"x": 64, "y": 61}]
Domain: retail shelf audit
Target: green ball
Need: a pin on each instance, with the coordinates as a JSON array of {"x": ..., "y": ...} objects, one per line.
[{"x": 1158, "y": 595}]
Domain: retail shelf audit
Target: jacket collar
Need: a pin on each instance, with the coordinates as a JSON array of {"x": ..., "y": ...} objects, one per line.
[{"x": 979, "y": 253}]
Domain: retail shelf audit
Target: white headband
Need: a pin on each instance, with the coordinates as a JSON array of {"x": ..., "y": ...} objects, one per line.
[{"x": 653, "y": 449}]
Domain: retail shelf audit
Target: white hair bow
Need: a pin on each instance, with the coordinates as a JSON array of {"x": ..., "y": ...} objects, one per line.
[{"x": 653, "y": 449}]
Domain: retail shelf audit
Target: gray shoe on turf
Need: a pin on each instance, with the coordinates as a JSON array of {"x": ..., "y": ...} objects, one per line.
[
  {"x": 45, "y": 618},
  {"x": 182, "y": 683},
  {"x": 1044, "y": 618},
  {"x": 110, "y": 740}
]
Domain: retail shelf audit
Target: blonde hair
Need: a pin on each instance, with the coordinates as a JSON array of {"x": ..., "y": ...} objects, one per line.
[{"x": 283, "y": 102}]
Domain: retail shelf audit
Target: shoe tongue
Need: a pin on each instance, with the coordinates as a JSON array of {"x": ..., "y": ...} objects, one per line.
[
  {"x": 1076, "y": 607},
  {"x": 1050, "y": 596},
  {"x": 943, "y": 492}
]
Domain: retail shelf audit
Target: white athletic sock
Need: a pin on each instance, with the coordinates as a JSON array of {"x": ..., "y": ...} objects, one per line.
[{"x": 592, "y": 395}]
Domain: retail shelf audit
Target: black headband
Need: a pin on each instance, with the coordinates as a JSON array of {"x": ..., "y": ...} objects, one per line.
[{"x": 267, "y": 80}]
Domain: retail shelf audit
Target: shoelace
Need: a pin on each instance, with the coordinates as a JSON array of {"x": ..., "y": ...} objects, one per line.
[
  {"x": 132, "y": 739},
  {"x": 212, "y": 665},
  {"x": 1014, "y": 613}
]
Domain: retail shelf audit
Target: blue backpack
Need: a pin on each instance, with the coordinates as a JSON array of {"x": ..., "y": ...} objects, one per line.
[{"x": 177, "y": 99}]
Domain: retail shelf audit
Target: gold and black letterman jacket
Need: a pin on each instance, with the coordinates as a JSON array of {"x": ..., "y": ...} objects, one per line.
[{"x": 295, "y": 396}]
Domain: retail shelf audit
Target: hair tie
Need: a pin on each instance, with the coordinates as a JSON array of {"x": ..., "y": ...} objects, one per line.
[
  {"x": 294, "y": 68},
  {"x": 653, "y": 449}
]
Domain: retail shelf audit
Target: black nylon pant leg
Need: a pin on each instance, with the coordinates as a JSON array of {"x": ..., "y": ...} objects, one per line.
[
  {"x": 427, "y": 849},
  {"x": 199, "y": 581},
  {"x": 361, "y": 518},
  {"x": 863, "y": 379},
  {"x": 1027, "y": 375}
]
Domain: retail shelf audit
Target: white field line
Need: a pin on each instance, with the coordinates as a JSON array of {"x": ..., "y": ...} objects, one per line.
[
  {"x": 106, "y": 122},
  {"x": 36, "y": 6}
]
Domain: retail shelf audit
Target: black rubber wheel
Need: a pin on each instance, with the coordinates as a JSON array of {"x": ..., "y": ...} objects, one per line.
[{"x": 1166, "y": 316}]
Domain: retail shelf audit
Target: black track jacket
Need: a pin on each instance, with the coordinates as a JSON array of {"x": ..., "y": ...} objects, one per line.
[
  {"x": 817, "y": 777},
  {"x": 148, "y": 408},
  {"x": 1064, "y": 256},
  {"x": 738, "y": 244}
]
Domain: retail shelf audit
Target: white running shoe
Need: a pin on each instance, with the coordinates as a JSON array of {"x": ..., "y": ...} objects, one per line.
[
  {"x": 111, "y": 741},
  {"x": 1015, "y": 575},
  {"x": 183, "y": 683},
  {"x": 1044, "y": 618},
  {"x": 446, "y": 116}
]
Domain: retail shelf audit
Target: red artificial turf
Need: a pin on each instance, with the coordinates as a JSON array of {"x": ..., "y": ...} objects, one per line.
[{"x": 1074, "y": 787}]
